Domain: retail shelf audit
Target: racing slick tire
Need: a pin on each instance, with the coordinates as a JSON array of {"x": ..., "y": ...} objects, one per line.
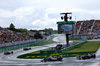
[
  {"x": 60, "y": 59},
  {"x": 45, "y": 60},
  {"x": 79, "y": 57},
  {"x": 12, "y": 52}
]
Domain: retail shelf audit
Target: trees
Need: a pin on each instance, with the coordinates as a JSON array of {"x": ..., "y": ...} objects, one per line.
[
  {"x": 21, "y": 30},
  {"x": 12, "y": 27},
  {"x": 38, "y": 35},
  {"x": 33, "y": 30},
  {"x": 48, "y": 31}
]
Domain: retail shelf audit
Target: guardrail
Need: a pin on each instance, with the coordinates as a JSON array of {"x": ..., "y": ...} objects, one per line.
[{"x": 16, "y": 45}]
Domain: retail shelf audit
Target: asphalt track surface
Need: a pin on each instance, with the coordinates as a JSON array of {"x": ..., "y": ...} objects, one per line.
[{"x": 11, "y": 60}]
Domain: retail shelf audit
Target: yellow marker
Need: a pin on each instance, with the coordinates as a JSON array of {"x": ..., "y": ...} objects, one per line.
[
  {"x": 45, "y": 52},
  {"x": 60, "y": 55},
  {"x": 38, "y": 56},
  {"x": 27, "y": 56},
  {"x": 33, "y": 56},
  {"x": 45, "y": 56}
]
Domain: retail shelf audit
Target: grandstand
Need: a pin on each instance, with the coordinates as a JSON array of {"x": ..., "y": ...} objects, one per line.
[
  {"x": 8, "y": 37},
  {"x": 88, "y": 27}
]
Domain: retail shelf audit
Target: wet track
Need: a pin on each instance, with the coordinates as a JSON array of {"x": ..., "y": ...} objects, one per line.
[{"x": 11, "y": 60}]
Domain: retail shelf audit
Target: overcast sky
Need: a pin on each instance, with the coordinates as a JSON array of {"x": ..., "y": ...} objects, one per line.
[{"x": 41, "y": 14}]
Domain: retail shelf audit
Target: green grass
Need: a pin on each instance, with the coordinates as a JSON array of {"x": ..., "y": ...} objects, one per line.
[
  {"x": 90, "y": 46},
  {"x": 86, "y": 47},
  {"x": 36, "y": 52}
]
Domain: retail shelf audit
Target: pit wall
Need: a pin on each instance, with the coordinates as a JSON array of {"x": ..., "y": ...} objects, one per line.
[{"x": 51, "y": 53}]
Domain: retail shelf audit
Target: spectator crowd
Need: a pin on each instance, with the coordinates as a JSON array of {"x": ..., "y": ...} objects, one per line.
[
  {"x": 96, "y": 27},
  {"x": 86, "y": 27},
  {"x": 7, "y": 36}
]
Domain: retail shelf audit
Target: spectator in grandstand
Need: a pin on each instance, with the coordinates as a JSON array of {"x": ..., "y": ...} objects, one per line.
[
  {"x": 7, "y": 36},
  {"x": 96, "y": 27},
  {"x": 86, "y": 27}
]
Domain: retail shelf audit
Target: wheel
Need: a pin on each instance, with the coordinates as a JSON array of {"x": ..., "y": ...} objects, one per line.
[
  {"x": 12, "y": 52},
  {"x": 49, "y": 59},
  {"x": 41, "y": 60},
  {"x": 94, "y": 56},
  {"x": 60, "y": 59},
  {"x": 79, "y": 58},
  {"x": 45, "y": 60}
]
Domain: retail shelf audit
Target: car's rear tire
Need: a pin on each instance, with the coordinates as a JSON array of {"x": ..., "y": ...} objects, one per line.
[
  {"x": 12, "y": 52},
  {"x": 45, "y": 60},
  {"x": 49, "y": 59},
  {"x": 60, "y": 59},
  {"x": 41, "y": 60}
]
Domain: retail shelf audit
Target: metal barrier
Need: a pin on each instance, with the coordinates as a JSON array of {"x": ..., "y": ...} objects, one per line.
[{"x": 16, "y": 45}]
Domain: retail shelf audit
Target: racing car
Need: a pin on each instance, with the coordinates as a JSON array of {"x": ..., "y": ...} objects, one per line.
[
  {"x": 87, "y": 56},
  {"x": 52, "y": 59},
  {"x": 8, "y": 52},
  {"x": 59, "y": 47},
  {"x": 27, "y": 48}
]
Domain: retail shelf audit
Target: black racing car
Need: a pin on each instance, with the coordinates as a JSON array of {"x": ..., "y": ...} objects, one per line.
[
  {"x": 52, "y": 59},
  {"x": 26, "y": 48},
  {"x": 59, "y": 47},
  {"x": 87, "y": 56},
  {"x": 8, "y": 52}
]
